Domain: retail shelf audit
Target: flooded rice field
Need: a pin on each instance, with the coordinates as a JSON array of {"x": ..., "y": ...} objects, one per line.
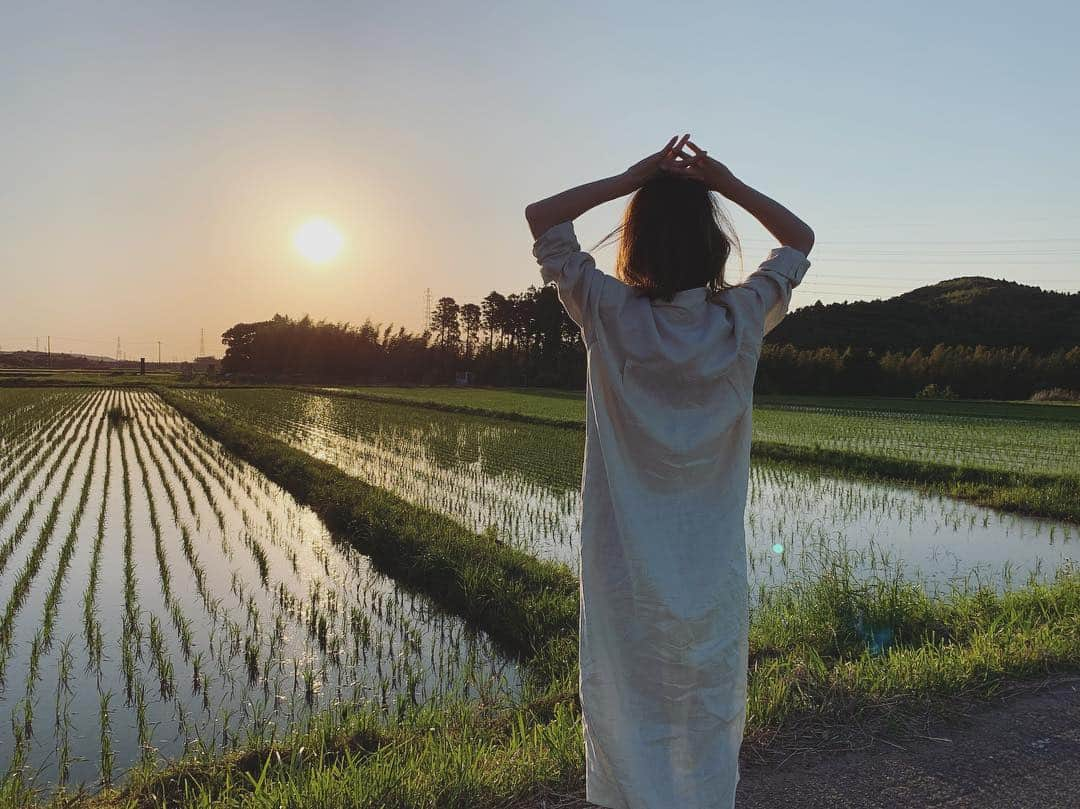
[
  {"x": 157, "y": 597},
  {"x": 519, "y": 483}
]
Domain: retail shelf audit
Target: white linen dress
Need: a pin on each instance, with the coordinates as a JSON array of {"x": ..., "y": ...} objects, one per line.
[{"x": 664, "y": 590}]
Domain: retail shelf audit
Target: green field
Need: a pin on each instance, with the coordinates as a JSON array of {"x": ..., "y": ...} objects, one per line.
[
  {"x": 277, "y": 541},
  {"x": 532, "y": 403},
  {"x": 1003, "y": 436}
]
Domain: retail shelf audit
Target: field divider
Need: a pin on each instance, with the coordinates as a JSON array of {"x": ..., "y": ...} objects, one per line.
[
  {"x": 466, "y": 410},
  {"x": 528, "y": 607}
]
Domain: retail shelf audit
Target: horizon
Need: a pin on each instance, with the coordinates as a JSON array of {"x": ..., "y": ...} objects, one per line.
[{"x": 155, "y": 194}]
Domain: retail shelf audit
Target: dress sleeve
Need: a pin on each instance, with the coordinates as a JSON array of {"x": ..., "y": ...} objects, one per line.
[
  {"x": 573, "y": 271},
  {"x": 771, "y": 284}
]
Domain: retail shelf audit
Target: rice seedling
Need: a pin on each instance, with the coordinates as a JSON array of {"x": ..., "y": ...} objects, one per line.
[
  {"x": 91, "y": 622},
  {"x": 63, "y": 710},
  {"x": 108, "y": 759}
]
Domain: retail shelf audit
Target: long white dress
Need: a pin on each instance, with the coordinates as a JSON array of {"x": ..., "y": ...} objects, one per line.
[{"x": 664, "y": 591}]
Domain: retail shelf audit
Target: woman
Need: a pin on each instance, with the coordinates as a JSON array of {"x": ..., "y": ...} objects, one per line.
[{"x": 672, "y": 352}]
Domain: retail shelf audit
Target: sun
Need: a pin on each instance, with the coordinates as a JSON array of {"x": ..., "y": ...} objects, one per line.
[{"x": 318, "y": 240}]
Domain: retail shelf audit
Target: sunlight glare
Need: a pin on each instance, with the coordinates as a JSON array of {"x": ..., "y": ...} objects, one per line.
[{"x": 318, "y": 240}]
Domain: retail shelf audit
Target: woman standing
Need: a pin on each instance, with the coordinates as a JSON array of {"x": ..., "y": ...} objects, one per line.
[{"x": 672, "y": 353}]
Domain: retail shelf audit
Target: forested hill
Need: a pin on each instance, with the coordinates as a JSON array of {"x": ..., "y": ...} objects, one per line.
[{"x": 962, "y": 311}]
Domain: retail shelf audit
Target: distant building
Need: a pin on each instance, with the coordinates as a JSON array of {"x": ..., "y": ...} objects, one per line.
[
  {"x": 463, "y": 378},
  {"x": 205, "y": 365}
]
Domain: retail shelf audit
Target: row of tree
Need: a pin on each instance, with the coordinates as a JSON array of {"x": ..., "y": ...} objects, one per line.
[
  {"x": 971, "y": 372},
  {"x": 518, "y": 339},
  {"x": 528, "y": 339}
]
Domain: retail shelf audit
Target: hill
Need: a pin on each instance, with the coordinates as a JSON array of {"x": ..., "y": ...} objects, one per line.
[{"x": 962, "y": 311}]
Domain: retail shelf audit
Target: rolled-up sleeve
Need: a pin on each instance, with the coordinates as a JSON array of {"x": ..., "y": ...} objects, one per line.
[
  {"x": 573, "y": 271},
  {"x": 771, "y": 285}
]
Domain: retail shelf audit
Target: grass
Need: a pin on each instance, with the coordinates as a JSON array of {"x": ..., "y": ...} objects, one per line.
[{"x": 536, "y": 405}]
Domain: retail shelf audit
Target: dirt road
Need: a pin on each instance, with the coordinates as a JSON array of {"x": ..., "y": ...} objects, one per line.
[{"x": 1017, "y": 750}]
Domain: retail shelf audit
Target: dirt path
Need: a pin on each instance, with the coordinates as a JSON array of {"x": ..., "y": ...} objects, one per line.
[{"x": 1019, "y": 749}]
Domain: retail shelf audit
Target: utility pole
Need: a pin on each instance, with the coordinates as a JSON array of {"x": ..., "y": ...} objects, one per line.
[
  {"x": 48, "y": 342},
  {"x": 159, "y": 352},
  {"x": 118, "y": 349}
]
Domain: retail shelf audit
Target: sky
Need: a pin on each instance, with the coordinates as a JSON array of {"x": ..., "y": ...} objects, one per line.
[{"x": 157, "y": 157}]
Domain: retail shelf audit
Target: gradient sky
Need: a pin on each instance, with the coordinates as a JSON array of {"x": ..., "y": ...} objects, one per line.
[{"x": 156, "y": 157}]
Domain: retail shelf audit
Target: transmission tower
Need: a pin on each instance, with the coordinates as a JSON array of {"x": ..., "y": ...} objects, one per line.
[
  {"x": 202, "y": 342},
  {"x": 118, "y": 349},
  {"x": 427, "y": 308}
]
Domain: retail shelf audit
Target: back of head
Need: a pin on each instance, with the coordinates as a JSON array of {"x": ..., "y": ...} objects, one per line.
[{"x": 674, "y": 236}]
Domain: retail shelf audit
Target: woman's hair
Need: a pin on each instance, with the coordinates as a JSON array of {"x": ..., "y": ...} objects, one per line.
[{"x": 674, "y": 235}]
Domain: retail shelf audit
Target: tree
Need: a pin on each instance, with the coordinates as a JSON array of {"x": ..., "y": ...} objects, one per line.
[
  {"x": 446, "y": 324},
  {"x": 470, "y": 318},
  {"x": 493, "y": 310}
]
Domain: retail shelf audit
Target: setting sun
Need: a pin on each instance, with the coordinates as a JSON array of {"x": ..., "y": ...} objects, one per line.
[{"x": 318, "y": 240}]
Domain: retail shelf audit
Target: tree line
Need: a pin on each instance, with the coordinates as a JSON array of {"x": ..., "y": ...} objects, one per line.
[{"x": 527, "y": 339}]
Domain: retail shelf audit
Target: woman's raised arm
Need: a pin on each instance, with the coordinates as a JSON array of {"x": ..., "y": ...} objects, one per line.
[{"x": 572, "y": 203}]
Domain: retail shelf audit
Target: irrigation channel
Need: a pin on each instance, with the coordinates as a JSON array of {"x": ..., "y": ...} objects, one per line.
[
  {"x": 519, "y": 484},
  {"x": 159, "y": 597}
]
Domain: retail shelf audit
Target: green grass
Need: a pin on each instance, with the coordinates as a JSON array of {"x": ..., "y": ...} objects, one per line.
[{"x": 542, "y": 405}]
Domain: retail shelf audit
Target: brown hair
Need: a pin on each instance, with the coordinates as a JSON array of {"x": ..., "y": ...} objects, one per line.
[{"x": 675, "y": 235}]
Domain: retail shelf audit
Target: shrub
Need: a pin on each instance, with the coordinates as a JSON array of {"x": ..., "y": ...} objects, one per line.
[
  {"x": 1056, "y": 395},
  {"x": 932, "y": 391}
]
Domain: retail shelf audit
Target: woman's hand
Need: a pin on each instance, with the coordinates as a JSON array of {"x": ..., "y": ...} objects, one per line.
[
  {"x": 572, "y": 203},
  {"x": 649, "y": 167},
  {"x": 778, "y": 220},
  {"x": 697, "y": 165}
]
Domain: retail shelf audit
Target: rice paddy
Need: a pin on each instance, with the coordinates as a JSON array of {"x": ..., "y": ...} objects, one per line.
[
  {"x": 159, "y": 598},
  {"x": 518, "y": 484},
  {"x": 162, "y": 599},
  {"x": 1003, "y": 436}
]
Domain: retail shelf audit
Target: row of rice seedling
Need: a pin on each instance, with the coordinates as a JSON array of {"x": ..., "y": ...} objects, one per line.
[
  {"x": 20, "y": 478},
  {"x": 20, "y": 585},
  {"x": 30, "y": 429},
  {"x": 226, "y": 648},
  {"x": 993, "y": 442},
  {"x": 437, "y": 460}
]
